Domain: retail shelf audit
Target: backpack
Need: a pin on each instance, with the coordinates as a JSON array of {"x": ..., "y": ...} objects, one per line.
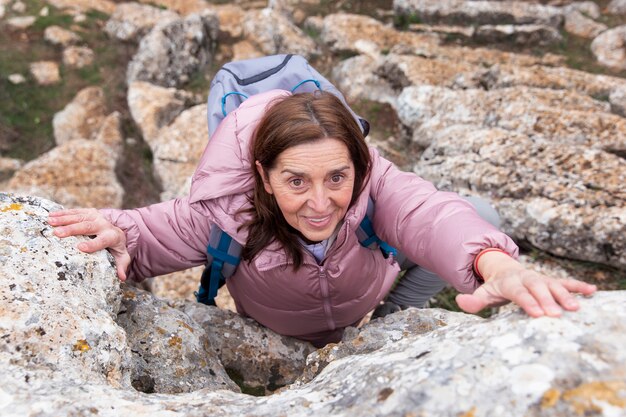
[{"x": 234, "y": 83}]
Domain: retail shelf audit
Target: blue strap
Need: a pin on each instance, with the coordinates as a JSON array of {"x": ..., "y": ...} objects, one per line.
[
  {"x": 237, "y": 93},
  {"x": 310, "y": 80},
  {"x": 369, "y": 235}
]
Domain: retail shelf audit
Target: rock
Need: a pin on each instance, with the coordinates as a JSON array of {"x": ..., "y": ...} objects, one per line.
[
  {"x": 618, "y": 101},
  {"x": 45, "y": 11},
  {"x": 171, "y": 353},
  {"x": 587, "y": 8},
  {"x": 20, "y": 22},
  {"x": 231, "y": 19},
  {"x": 2, "y": 11},
  {"x": 56, "y": 35},
  {"x": 153, "y": 107},
  {"x": 380, "y": 333},
  {"x": 567, "y": 117},
  {"x": 275, "y": 34},
  {"x": 610, "y": 48},
  {"x": 518, "y": 34},
  {"x": 617, "y": 7},
  {"x": 177, "y": 150},
  {"x": 78, "y": 173},
  {"x": 58, "y": 306},
  {"x": 78, "y": 56},
  {"x": 246, "y": 50},
  {"x": 260, "y": 357},
  {"x": 16, "y": 79},
  {"x": 8, "y": 166},
  {"x": 172, "y": 52},
  {"x": 131, "y": 21},
  {"x": 110, "y": 133},
  {"x": 45, "y": 72},
  {"x": 82, "y": 117},
  {"x": 447, "y": 30},
  {"x": 577, "y": 24},
  {"x": 104, "y": 6},
  {"x": 182, "y": 7},
  {"x": 566, "y": 200},
  {"x": 18, "y": 7},
  {"x": 466, "y": 12},
  {"x": 358, "y": 78}
]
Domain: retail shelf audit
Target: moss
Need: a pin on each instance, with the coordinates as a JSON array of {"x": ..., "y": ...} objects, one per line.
[{"x": 237, "y": 378}]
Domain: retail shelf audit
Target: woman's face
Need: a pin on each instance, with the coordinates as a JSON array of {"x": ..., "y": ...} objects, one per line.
[{"x": 312, "y": 184}]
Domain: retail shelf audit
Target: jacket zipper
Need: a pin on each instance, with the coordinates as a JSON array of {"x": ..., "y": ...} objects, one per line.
[{"x": 326, "y": 298}]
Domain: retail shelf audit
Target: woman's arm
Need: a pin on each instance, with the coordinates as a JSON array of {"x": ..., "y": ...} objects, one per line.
[{"x": 145, "y": 242}]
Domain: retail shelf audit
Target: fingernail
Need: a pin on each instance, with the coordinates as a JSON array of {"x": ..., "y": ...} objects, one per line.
[{"x": 554, "y": 311}]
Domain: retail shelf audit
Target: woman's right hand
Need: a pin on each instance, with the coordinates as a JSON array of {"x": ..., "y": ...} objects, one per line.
[{"x": 91, "y": 222}]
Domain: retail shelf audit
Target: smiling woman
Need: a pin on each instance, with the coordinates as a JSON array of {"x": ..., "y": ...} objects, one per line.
[{"x": 290, "y": 178}]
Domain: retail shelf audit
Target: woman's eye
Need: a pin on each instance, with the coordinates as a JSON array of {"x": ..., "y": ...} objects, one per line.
[
  {"x": 336, "y": 178},
  {"x": 297, "y": 182}
]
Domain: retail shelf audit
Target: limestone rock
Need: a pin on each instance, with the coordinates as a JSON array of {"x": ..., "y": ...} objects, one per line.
[
  {"x": 379, "y": 333},
  {"x": 16, "y": 79},
  {"x": 8, "y": 166},
  {"x": 177, "y": 150},
  {"x": 448, "y": 30},
  {"x": 78, "y": 173},
  {"x": 259, "y": 356},
  {"x": 153, "y": 107},
  {"x": 617, "y": 7},
  {"x": 478, "y": 12},
  {"x": 173, "y": 51},
  {"x": 20, "y": 22},
  {"x": 104, "y": 6},
  {"x": 587, "y": 8},
  {"x": 559, "y": 116},
  {"x": 246, "y": 50},
  {"x": 231, "y": 19},
  {"x": 618, "y": 101},
  {"x": 610, "y": 48},
  {"x": 131, "y": 21},
  {"x": 78, "y": 56},
  {"x": 58, "y": 304},
  {"x": 45, "y": 72},
  {"x": 567, "y": 200},
  {"x": 182, "y": 7},
  {"x": 577, "y": 24},
  {"x": 2, "y": 10},
  {"x": 110, "y": 133},
  {"x": 56, "y": 35},
  {"x": 18, "y": 7},
  {"x": 357, "y": 78},
  {"x": 171, "y": 352},
  {"x": 518, "y": 34},
  {"x": 275, "y": 34},
  {"x": 82, "y": 117}
]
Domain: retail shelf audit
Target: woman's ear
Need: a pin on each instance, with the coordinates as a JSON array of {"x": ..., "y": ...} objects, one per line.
[{"x": 264, "y": 177}]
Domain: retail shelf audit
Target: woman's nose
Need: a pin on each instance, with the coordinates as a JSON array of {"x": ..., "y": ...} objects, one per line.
[{"x": 318, "y": 199}]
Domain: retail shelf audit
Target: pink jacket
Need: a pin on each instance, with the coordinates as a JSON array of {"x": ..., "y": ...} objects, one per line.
[{"x": 435, "y": 229}]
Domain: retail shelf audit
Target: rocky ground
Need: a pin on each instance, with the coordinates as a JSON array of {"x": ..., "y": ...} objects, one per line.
[{"x": 103, "y": 104}]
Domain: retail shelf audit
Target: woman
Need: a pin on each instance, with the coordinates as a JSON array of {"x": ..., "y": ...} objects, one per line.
[{"x": 289, "y": 177}]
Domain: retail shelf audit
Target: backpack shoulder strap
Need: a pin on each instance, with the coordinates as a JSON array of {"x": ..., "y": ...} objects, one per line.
[
  {"x": 223, "y": 256},
  {"x": 367, "y": 237}
]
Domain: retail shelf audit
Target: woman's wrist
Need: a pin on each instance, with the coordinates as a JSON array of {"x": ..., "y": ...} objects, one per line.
[{"x": 492, "y": 261}]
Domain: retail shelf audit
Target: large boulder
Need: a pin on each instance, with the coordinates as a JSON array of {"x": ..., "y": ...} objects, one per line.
[
  {"x": 171, "y": 352},
  {"x": 526, "y": 35},
  {"x": 173, "y": 51},
  {"x": 566, "y": 200},
  {"x": 578, "y": 24},
  {"x": 610, "y": 48},
  {"x": 82, "y": 117},
  {"x": 478, "y": 12},
  {"x": 617, "y": 7},
  {"x": 275, "y": 34},
  {"x": 131, "y": 21},
  {"x": 83, "y": 6}
]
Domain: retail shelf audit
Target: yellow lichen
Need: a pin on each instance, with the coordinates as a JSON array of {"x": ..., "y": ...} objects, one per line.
[
  {"x": 584, "y": 397},
  {"x": 470, "y": 413},
  {"x": 23, "y": 249},
  {"x": 185, "y": 325},
  {"x": 81, "y": 345},
  {"x": 550, "y": 398},
  {"x": 14, "y": 206},
  {"x": 161, "y": 330},
  {"x": 175, "y": 341},
  {"x": 129, "y": 295}
]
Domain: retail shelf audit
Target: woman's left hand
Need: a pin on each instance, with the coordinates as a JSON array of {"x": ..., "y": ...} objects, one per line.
[{"x": 507, "y": 280}]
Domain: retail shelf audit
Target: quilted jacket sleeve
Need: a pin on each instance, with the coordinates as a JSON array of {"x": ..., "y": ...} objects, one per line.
[
  {"x": 162, "y": 238},
  {"x": 437, "y": 230}
]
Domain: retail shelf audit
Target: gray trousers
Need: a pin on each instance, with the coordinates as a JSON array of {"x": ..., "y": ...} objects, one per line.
[{"x": 418, "y": 285}]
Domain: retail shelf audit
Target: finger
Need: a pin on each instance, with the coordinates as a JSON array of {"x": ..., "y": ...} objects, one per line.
[
  {"x": 122, "y": 262},
  {"x": 574, "y": 285},
  {"x": 94, "y": 245},
  {"x": 70, "y": 218},
  {"x": 470, "y": 303},
  {"x": 528, "y": 303},
  {"x": 77, "y": 229},
  {"x": 563, "y": 296},
  {"x": 539, "y": 290}
]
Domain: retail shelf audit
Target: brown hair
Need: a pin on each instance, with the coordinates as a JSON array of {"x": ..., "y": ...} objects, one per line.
[{"x": 295, "y": 120}]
